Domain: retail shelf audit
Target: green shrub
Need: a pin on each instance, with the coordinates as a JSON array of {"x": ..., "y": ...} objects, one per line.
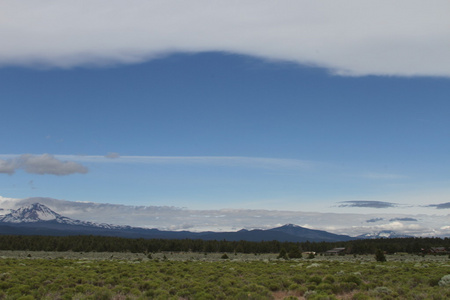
[
  {"x": 295, "y": 253},
  {"x": 347, "y": 286},
  {"x": 301, "y": 290},
  {"x": 316, "y": 279},
  {"x": 309, "y": 294},
  {"x": 329, "y": 279},
  {"x": 103, "y": 294},
  {"x": 434, "y": 281},
  {"x": 273, "y": 286},
  {"x": 183, "y": 294},
  {"x": 19, "y": 289},
  {"x": 324, "y": 287},
  {"x": 381, "y": 291},
  {"x": 283, "y": 254},
  {"x": 204, "y": 296},
  {"x": 298, "y": 279},
  {"x": 27, "y": 297},
  {"x": 379, "y": 256},
  {"x": 352, "y": 278},
  {"x": 360, "y": 296},
  {"x": 445, "y": 281},
  {"x": 160, "y": 294}
]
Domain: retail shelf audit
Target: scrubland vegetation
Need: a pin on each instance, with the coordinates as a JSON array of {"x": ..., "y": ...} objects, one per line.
[
  {"x": 27, "y": 274},
  {"x": 60, "y": 275}
]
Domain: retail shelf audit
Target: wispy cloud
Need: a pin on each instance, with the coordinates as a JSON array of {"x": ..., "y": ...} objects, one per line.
[
  {"x": 406, "y": 39},
  {"x": 368, "y": 204},
  {"x": 41, "y": 164},
  {"x": 224, "y": 161},
  {"x": 112, "y": 155}
]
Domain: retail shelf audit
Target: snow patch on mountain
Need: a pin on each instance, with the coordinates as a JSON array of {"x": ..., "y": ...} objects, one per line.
[
  {"x": 37, "y": 212},
  {"x": 387, "y": 234}
]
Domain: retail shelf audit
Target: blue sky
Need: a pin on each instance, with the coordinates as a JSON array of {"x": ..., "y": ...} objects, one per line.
[
  {"x": 355, "y": 138},
  {"x": 183, "y": 115}
]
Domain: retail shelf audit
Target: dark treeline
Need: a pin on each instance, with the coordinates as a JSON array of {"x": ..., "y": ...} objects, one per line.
[{"x": 117, "y": 244}]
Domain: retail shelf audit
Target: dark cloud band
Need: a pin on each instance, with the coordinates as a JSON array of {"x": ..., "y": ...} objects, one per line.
[
  {"x": 366, "y": 203},
  {"x": 403, "y": 219},
  {"x": 374, "y": 220},
  {"x": 445, "y": 205}
]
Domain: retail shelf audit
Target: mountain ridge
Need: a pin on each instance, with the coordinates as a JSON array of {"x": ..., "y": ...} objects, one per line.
[{"x": 38, "y": 219}]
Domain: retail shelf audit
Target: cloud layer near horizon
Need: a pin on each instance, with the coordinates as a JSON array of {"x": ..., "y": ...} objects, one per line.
[
  {"x": 41, "y": 164},
  {"x": 175, "y": 218},
  {"x": 408, "y": 38}
]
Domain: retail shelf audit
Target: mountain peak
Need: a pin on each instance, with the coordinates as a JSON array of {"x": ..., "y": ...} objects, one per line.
[
  {"x": 309, "y": 234},
  {"x": 289, "y": 226},
  {"x": 39, "y": 213},
  {"x": 35, "y": 212}
]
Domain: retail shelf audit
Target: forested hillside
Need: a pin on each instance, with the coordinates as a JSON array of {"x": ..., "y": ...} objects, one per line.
[{"x": 116, "y": 244}]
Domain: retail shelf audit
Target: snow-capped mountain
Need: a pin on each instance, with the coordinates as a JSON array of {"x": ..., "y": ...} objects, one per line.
[
  {"x": 38, "y": 213},
  {"x": 32, "y": 213},
  {"x": 382, "y": 234}
]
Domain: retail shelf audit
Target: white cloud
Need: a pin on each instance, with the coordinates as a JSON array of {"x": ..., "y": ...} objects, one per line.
[
  {"x": 5, "y": 200},
  {"x": 396, "y": 225},
  {"x": 7, "y": 167},
  {"x": 41, "y": 164},
  {"x": 349, "y": 37},
  {"x": 416, "y": 229}
]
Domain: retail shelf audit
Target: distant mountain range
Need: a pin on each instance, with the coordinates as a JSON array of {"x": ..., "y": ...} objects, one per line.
[
  {"x": 382, "y": 234},
  {"x": 38, "y": 219}
]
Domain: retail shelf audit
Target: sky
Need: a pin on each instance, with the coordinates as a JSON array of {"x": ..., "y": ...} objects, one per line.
[{"x": 308, "y": 106}]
